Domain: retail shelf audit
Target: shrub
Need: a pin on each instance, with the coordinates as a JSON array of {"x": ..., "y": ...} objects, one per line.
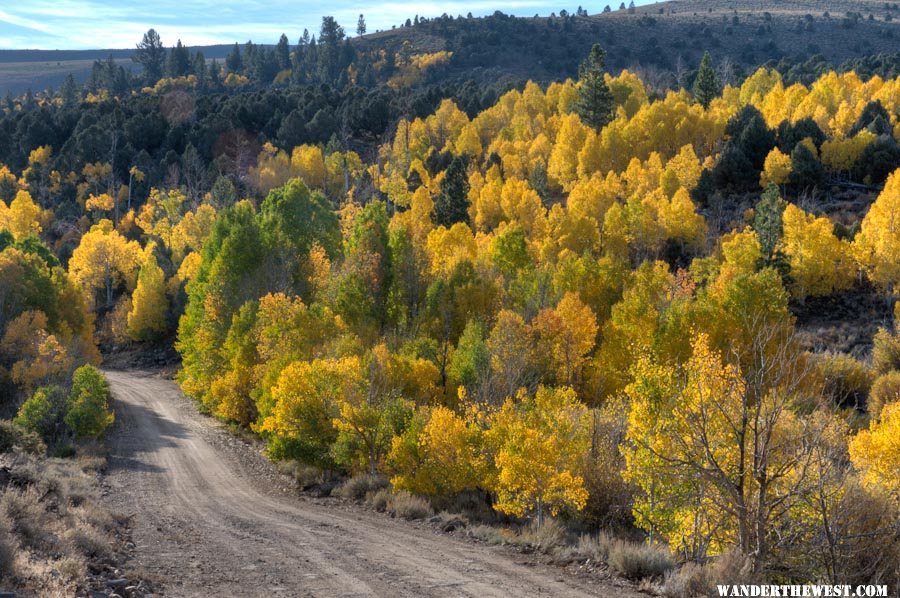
[
  {"x": 7, "y": 548},
  {"x": 13, "y": 436},
  {"x": 846, "y": 381},
  {"x": 639, "y": 561},
  {"x": 489, "y": 534},
  {"x": 543, "y": 538},
  {"x": 379, "y": 500},
  {"x": 27, "y": 516},
  {"x": 88, "y": 542},
  {"x": 409, "y": 506},
  {"x": 357, "y": 487},
  {"x": 88, "y": 412},
  {"x": 306, "y": 476},
  {"x": 43, "y": 412},
  {"x": 885, "y": 389},
  {"x": 885, "y": 351}
]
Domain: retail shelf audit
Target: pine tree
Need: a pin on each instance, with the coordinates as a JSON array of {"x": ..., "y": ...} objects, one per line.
[
  {"x": 69, "y": 91},
  {"x": 361, "y": 26},
  {"x": 595, "y": 101},
  {"x": 151, "y": 55},
  {"x": 200, "y": 71},
  {"x": 179, "y": 61},
  {"x": 451, "y": 205},
  {"x": 233, "y": 62},
  {"x": 706, "y": 85},
  {"x": 283, "y": 52}
]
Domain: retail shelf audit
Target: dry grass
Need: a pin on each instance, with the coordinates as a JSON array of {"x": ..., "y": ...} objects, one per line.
[
  {"x": 8, "y": 548},
  {"x": 89, "y": 542},
  {"x": 692, "y": 579},
  {"x": 550, "y": 538},
  {"x": 379, "y": 500},
  {"x": 639, "y": 561},
  {"x": 52, "y": 524},
  {"x": 306, "y": 476},
  {"x": 358, "y": 487},
  {"x": 408, "y": 506}
]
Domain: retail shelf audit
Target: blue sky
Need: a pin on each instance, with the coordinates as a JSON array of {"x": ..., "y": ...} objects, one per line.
[{"x": 77, "y": 24}]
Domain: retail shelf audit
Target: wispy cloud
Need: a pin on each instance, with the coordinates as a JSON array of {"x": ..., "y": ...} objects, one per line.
[{"x": 73, "y": 24}]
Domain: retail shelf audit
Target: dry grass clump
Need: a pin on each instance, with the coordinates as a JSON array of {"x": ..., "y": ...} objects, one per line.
[
  {"x": 408, "y": 506},
  {"x": 52, "y": 524},
  {"x": 28, "y": 517},
  {"x": 88, "y": 541},
  {"x": 357, "y": 487},
  {"x": 549, "y": 538},
  {"x": 306, "y": 476},
  {"x": 638, "y": 561},
  {"x": 8, "y": 548},
  {"x": 589, "y": 547},
  {"x": 693, "y": 579},
  {"x": 380, "y": 499}
]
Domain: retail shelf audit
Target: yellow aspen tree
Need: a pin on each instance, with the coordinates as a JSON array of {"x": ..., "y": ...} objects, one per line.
[
  {"x": 439, "y": 454},
  {"x": 776, "y": 169},
  {"x": 876, "y": 453},
  {"x": 563, "y": 164},
  {"x": 877, "y": 246},
  {"x": 820, "y": 263},
  {"x": 538, "y": 443},
  {"x": 149, "y": 303},
  {"x": 714, "y": 453},
  {"x": 566, "y": 335},
  {"x": 103, "y": 260}
]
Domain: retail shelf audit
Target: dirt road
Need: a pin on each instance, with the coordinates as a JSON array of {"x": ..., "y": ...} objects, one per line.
[{"x": 211, "y": 520}]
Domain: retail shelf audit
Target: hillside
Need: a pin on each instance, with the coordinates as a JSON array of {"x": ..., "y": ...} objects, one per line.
[
  {"x": 668, "y": 36},
  {"x": 664, "y": 40}
]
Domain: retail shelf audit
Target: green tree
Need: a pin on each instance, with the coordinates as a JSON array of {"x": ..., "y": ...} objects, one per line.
[
  {"x": 361, "y": 26},
  {"x": 452, "y": 204},
  {"x": 595, "y": 100},
  {"x": 767, "y": 222},
  {"x": 706, "y": 85},
  {"x": 807, "y": 171},
  {"x": 87, "y": 410},
  {"x": 43, "y": 412},
  {"x": 283, "y": 52},
  {"x": 233, "y": 62},
  {"x": 151, "y": 55},
  {"x": 179, "y": 63}
]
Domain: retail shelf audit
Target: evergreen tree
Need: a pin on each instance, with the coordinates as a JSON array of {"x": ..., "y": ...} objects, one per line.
[
  {"x": 361, "y": 26},
  {"x": 595, "y": 101},
  {"x": 69, "y": 91},
  {"x": 151, "y": 55},
  {"x": 807, "y": 171},
  {"x": 179, "y": 61},
  {"x": 283, "y": 53},
  {"x": 201, "y": 72},
  {"x": 767, "y": 221},
  {"x": 706, "y": 85},
  {"x": 215, "y": 74},
  {"x": 233, "y": 62},
  {"x": 451, "y": 205}
]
